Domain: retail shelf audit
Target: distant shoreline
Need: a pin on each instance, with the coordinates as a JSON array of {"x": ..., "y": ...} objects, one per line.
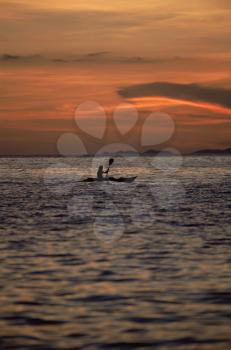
[{"x": 149, "y": 153}]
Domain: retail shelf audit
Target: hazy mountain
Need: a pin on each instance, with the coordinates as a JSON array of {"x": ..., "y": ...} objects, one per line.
[{"x": 208, "y": 152}]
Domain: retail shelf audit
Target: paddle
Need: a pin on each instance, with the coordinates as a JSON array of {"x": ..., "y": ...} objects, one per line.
[{"x": 111, "y": 161}]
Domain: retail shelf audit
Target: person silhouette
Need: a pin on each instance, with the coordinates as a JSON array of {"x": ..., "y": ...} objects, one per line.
[{"x": 100, "y": 173}]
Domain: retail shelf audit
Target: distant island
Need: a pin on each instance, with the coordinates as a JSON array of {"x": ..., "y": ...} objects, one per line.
[{"x": 206, "y": 152}]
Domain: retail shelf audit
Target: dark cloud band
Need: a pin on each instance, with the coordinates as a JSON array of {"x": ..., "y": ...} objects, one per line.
[{"x": 191, "y": 92}]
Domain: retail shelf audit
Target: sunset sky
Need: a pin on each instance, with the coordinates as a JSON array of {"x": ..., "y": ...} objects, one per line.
[{"x": 167, "y": 56}]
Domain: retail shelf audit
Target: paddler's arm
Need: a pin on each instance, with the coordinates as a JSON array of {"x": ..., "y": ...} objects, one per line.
[{"x": 106, "y": 171}]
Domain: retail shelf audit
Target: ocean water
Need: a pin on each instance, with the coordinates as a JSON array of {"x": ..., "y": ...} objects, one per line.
[{"x": 114, "y": 265}]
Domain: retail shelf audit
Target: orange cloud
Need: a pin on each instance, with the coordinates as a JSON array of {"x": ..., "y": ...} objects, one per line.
[{"x": 162, "y": 102}]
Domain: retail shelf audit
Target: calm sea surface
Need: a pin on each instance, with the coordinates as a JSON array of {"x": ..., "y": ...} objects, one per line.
[{"x": 113, "y": 265}]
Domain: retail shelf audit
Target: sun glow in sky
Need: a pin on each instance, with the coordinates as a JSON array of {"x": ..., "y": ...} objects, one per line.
[{"x": 56, "y": 54}]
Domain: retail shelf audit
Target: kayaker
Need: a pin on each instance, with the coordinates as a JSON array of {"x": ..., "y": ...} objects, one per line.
[{"x": 100, "y": 173}]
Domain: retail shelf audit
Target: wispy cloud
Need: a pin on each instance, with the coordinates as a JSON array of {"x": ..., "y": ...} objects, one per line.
[
  {"x": 92, "y": 57},
  {"x": 191, "y": 92},
  {"x": 149, "y": 28}
]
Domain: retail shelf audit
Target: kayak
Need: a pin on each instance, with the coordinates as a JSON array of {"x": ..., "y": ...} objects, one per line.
[{"x": 110, "y": 178}]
